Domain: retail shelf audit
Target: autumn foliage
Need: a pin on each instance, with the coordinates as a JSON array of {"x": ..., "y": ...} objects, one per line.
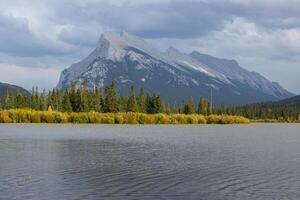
[{"x": 33, "y": 116}]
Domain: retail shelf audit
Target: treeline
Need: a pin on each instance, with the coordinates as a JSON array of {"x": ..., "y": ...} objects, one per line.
[
  {"x": 107, "y": 100},
  {"x": 266, "y": 112},
  {"x": 103, "y": 101}
]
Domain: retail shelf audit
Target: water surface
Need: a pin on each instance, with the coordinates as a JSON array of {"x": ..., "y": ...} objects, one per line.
[{"x": 150, "y": 162}]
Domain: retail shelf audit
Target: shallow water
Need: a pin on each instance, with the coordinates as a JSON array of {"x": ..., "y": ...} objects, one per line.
[{"x": 150, "y": 162}]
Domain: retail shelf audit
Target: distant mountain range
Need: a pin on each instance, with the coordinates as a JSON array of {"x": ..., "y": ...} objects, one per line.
[
  {"x": 14, "y": 88},
  {"x": 130, "y": 60}
]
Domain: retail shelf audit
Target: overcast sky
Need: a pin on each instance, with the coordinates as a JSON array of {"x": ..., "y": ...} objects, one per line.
[{"x": 40, "y": 38}]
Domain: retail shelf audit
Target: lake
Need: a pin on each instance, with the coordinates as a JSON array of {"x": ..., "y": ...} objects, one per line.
[{"x": 150, "y": 162}]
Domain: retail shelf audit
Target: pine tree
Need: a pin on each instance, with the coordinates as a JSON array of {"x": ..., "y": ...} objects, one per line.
[
  {"x": 111, "y": 99},
  {"x": 54, "y": 100},
  {"x": 101, "y": 100},
  {"x": 34, "y": 98},
  {"x": 19, "y": 100},
  {"x": 142, "y": 101},
  {"x": 123, "y": 102},
  {"x": 58, "y": 95},
  {"x": 158, "y": 104},
  {"x": 49, "y": 100},
  {"x": 190, "y": 107},
  {"x": 72, "y": 96},
  {"x": 154, "y": 104},
  {"x": 82, "y": 99},
  {"x": 41, "y": 101},
  {"x": 66, "y": 103},
  {"x": 96, "y": 101},
  {"x": 9, "y": 100},
  {"x": 203, "y": 106},
  {"x": 132, "y": 105}
]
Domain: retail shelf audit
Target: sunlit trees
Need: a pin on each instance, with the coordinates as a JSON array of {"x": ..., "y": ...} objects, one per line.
[
  {"x": 142, "y": 101},
  {"x": 78, "y": 98},
  {"x": 189, "y": 108},
  {"x": 132, "y": 105},
  {"x": 111, "y": 100}
]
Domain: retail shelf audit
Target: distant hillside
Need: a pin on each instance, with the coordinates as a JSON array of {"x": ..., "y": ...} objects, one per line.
[
  {"x": 287, "y": 110},
  {"x": 14, "y": 88},
  {"x": 293, "y": 102}
]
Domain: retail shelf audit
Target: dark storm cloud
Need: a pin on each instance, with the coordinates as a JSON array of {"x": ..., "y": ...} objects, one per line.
[
  {"x": 177, "y": 19},
  {"x": 17, "y": 39},
  {"x": 169, "y": 20},
  {"x": 81, "y": 22}
]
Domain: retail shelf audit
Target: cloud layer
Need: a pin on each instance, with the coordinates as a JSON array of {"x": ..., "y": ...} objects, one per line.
[{"x": 51, "y": 34}]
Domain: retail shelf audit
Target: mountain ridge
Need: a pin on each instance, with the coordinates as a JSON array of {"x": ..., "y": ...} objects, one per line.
[
  {"x": 14, "y": 88},
  {"x": 130, "y": 60}
]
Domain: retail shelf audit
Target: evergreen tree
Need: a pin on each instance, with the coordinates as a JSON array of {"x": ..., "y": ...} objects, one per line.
[
  {"x": 82, "y": 99},
  {"x": 73, "y": 97},
  {"x": 96, "y": 100},
  {"x": 49, "y": 100},
  {"x": 123, "y": 103},
  {"x": 101, "y": 100},
  {"x": 203, "y": 106},
  {"x": 34, "y": 99},
  {"x": 66, "y": 103},
  {"x": 132, "y": 105},
  {"x": 111, "y": 100},
  {"x": 58, "y": 96},
  {"x": 154, "y": 104},
  {"x": 21, "y": 100},
  {"x": 9, "y": 100},
  {"x": 41, "y": 101},
  {"x": 142, "y": 101},
  {"x": 54, "y": 100},
  {"x": 190, "y": 107}
]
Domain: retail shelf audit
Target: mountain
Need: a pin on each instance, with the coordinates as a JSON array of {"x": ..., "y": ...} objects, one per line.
[
  {"x": 293, "y": 102},
  {"x": 129, "y": 60},
  {"x": 14, "y": 88}
]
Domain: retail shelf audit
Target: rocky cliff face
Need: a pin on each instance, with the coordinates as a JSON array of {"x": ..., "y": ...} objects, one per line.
[{"x": 129, "y": 60}]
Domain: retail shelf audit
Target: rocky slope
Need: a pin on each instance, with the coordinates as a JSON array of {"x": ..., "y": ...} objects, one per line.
[{"x": 129, "y": 60}]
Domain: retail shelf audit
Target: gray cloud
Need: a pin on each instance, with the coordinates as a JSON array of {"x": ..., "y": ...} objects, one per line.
[
  {"x": 262, "y": 35},
  {"x": 181, "y": 19},
  {"x": 16, "y": 38}
]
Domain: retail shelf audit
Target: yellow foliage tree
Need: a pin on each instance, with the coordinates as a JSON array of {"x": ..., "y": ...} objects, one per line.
[{"x": 50, "y": 108}]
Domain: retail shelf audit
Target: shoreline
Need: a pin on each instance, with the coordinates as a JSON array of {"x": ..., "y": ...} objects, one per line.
[
  {"x": 28, "y": 116},
  {"x": 146, "y": 125}
]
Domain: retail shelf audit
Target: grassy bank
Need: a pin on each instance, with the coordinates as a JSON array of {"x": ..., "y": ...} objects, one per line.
[{"x": 32, "y": 116}]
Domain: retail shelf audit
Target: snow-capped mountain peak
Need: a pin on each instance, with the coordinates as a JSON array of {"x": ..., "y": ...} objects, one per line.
[{"x": 130, "y": 60}]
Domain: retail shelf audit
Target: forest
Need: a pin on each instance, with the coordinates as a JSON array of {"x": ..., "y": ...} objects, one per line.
[{"x": 107, "y": 100}]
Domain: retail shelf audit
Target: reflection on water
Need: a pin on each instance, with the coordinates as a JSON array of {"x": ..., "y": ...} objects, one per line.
[{"x": 150, "y": 162}]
